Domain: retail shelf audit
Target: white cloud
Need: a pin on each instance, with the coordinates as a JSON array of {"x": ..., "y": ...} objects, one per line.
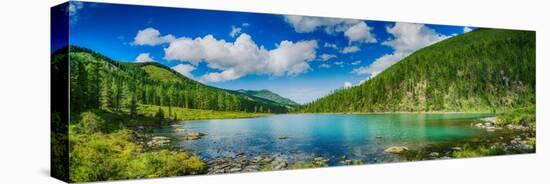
[
  {"x": 235, "y": 31},
  {"x": 347, "y": 84},
  {"x": 291, "y": 57},
  {"x": 242, "y": 57},
  {"x": 326, "y": 57},
  {"x": 185, "y": 69},
  {"x": 467, "y": 29},
  {"x": 74, "y": 9},
  {"x": 354, "y": 30},
  {"x": 144, "y": 57},
  {"x": 339, "y": 63},
  {"x": 360, "y": 32},
  {"x": 407, "y": 38},
  {"x": 380, "y": 63},
  {"x": 74, "y": 6},
  {"x": 368, "y": 78},
  {"x": 324, "y": 65},
  {"x": 356, "y": 62},
  {"x": 305, "y": 24},
  {"x": 226, "y": 75},
  {"x": 151, "y": 36},
  {"x": 350, "y": 49},
  {"x": 331, "y": 45},
  {"x": 246, "y": 24}
]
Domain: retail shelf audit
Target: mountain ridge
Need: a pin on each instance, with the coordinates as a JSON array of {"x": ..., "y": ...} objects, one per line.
[
  {"x": 269, "y": 95},
  {"x": 483, "y": 70}
]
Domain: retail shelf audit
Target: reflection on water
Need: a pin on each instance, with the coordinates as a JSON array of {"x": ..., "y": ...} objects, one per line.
[{"x": 298, "y": 137}]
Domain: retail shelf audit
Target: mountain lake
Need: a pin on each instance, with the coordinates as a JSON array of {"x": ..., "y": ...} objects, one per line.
[{"x": 302, "y": 137}]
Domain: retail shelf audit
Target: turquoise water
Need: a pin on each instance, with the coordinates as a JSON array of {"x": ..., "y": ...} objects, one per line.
[{"x": 330, "y": 136}]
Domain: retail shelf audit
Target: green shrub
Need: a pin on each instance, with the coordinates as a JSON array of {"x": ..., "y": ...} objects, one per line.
[
  {"x": 90, "y": 123},
  {"x": 114, "y": 156},
  {"x": 266, "y": 168},
  {"x": 308, "y": 165},
  {"x": 469, "y": 151},
  {"x": 518, "y": 116}
]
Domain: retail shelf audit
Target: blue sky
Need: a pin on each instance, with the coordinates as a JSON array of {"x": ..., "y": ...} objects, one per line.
[{"x": 302, "y": 58}]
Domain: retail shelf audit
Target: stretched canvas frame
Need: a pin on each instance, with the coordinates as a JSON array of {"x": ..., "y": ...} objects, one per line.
[{"x": 230, "y": 92}]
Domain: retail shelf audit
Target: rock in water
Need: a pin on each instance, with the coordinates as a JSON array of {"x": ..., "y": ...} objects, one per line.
[
  {"x": 396, "y": 149},
  {"x": 456, "y": 148},
  {"x": 489, "y": 119},
  {"x": 279, "y": 164},
  {"x": 241, "y": 154},
  {"x": 434, "y": 154},
  {"x": 193, "y": 136},
  {"x": 159, "y": 141}
]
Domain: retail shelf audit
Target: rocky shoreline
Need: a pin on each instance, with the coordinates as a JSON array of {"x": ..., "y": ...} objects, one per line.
[
  {"x": 520, "y": 141},
  {"x": 500, "y": 140},
  {"x": 244, "y": 163}
]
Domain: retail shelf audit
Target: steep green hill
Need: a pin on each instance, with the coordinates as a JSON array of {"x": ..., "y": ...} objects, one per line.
[
  {"x": 98, "y": 82},
  {"x": 483, "y": 70},
  {"x": 266, "y": 94}
]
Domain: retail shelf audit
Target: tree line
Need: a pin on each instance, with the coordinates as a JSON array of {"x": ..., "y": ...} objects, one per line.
[{"x": 97, "y": 82}]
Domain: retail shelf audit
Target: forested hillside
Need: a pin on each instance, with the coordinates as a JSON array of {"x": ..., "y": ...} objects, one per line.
[
  {"x": 266, "y": 94},
  {"x": 98, "y": 82},
  {"x": 483, "y": 70}
]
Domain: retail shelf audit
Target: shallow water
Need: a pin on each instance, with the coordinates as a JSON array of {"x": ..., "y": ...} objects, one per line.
[{"x": 301, "y": 137}]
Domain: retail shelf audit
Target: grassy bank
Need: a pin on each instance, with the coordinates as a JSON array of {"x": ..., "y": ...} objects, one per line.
[
  {"x": 104, "y": 145},
  {"x": 182, "y": 114},
  {"x": 521, "y": 116}
]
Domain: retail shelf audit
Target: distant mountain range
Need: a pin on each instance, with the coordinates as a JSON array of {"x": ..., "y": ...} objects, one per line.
[
  {"x": 483, "y": 70},
  {"x": 268, "y": 95}
]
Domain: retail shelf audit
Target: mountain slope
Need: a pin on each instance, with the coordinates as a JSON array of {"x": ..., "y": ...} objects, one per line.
[
  {"x": 483, "y": 70},
  {"x": 99, "y": 82},
  {"x": 266, "y": 94}
]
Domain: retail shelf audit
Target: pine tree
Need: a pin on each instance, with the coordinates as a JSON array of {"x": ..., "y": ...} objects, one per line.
[{"x": 159, "y": 116}]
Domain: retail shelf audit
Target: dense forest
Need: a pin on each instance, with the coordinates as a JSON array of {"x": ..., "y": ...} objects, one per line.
[
  {"x": 483, "y": 70},
  {"x": 98, "y": 82}
]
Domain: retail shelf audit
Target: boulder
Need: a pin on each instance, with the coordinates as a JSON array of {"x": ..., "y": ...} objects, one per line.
[
  {"x": 318, "y": 159},
  {"x": 456, "y": 148},
  {"x": 193, "y": 135},
  {"x": 283, "y": 137},
  {"x": 159, "y": 141},
  {"x": 396, "y": 149},
  {"x": 241, "y": 154},
  {"x": 257, "y": 159},
  {"x": 434, "y": 154},
  {"x": 279, "y": 164},
  {"x": 267, "y": 160},
  {"x": 235, "y": 169}
]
